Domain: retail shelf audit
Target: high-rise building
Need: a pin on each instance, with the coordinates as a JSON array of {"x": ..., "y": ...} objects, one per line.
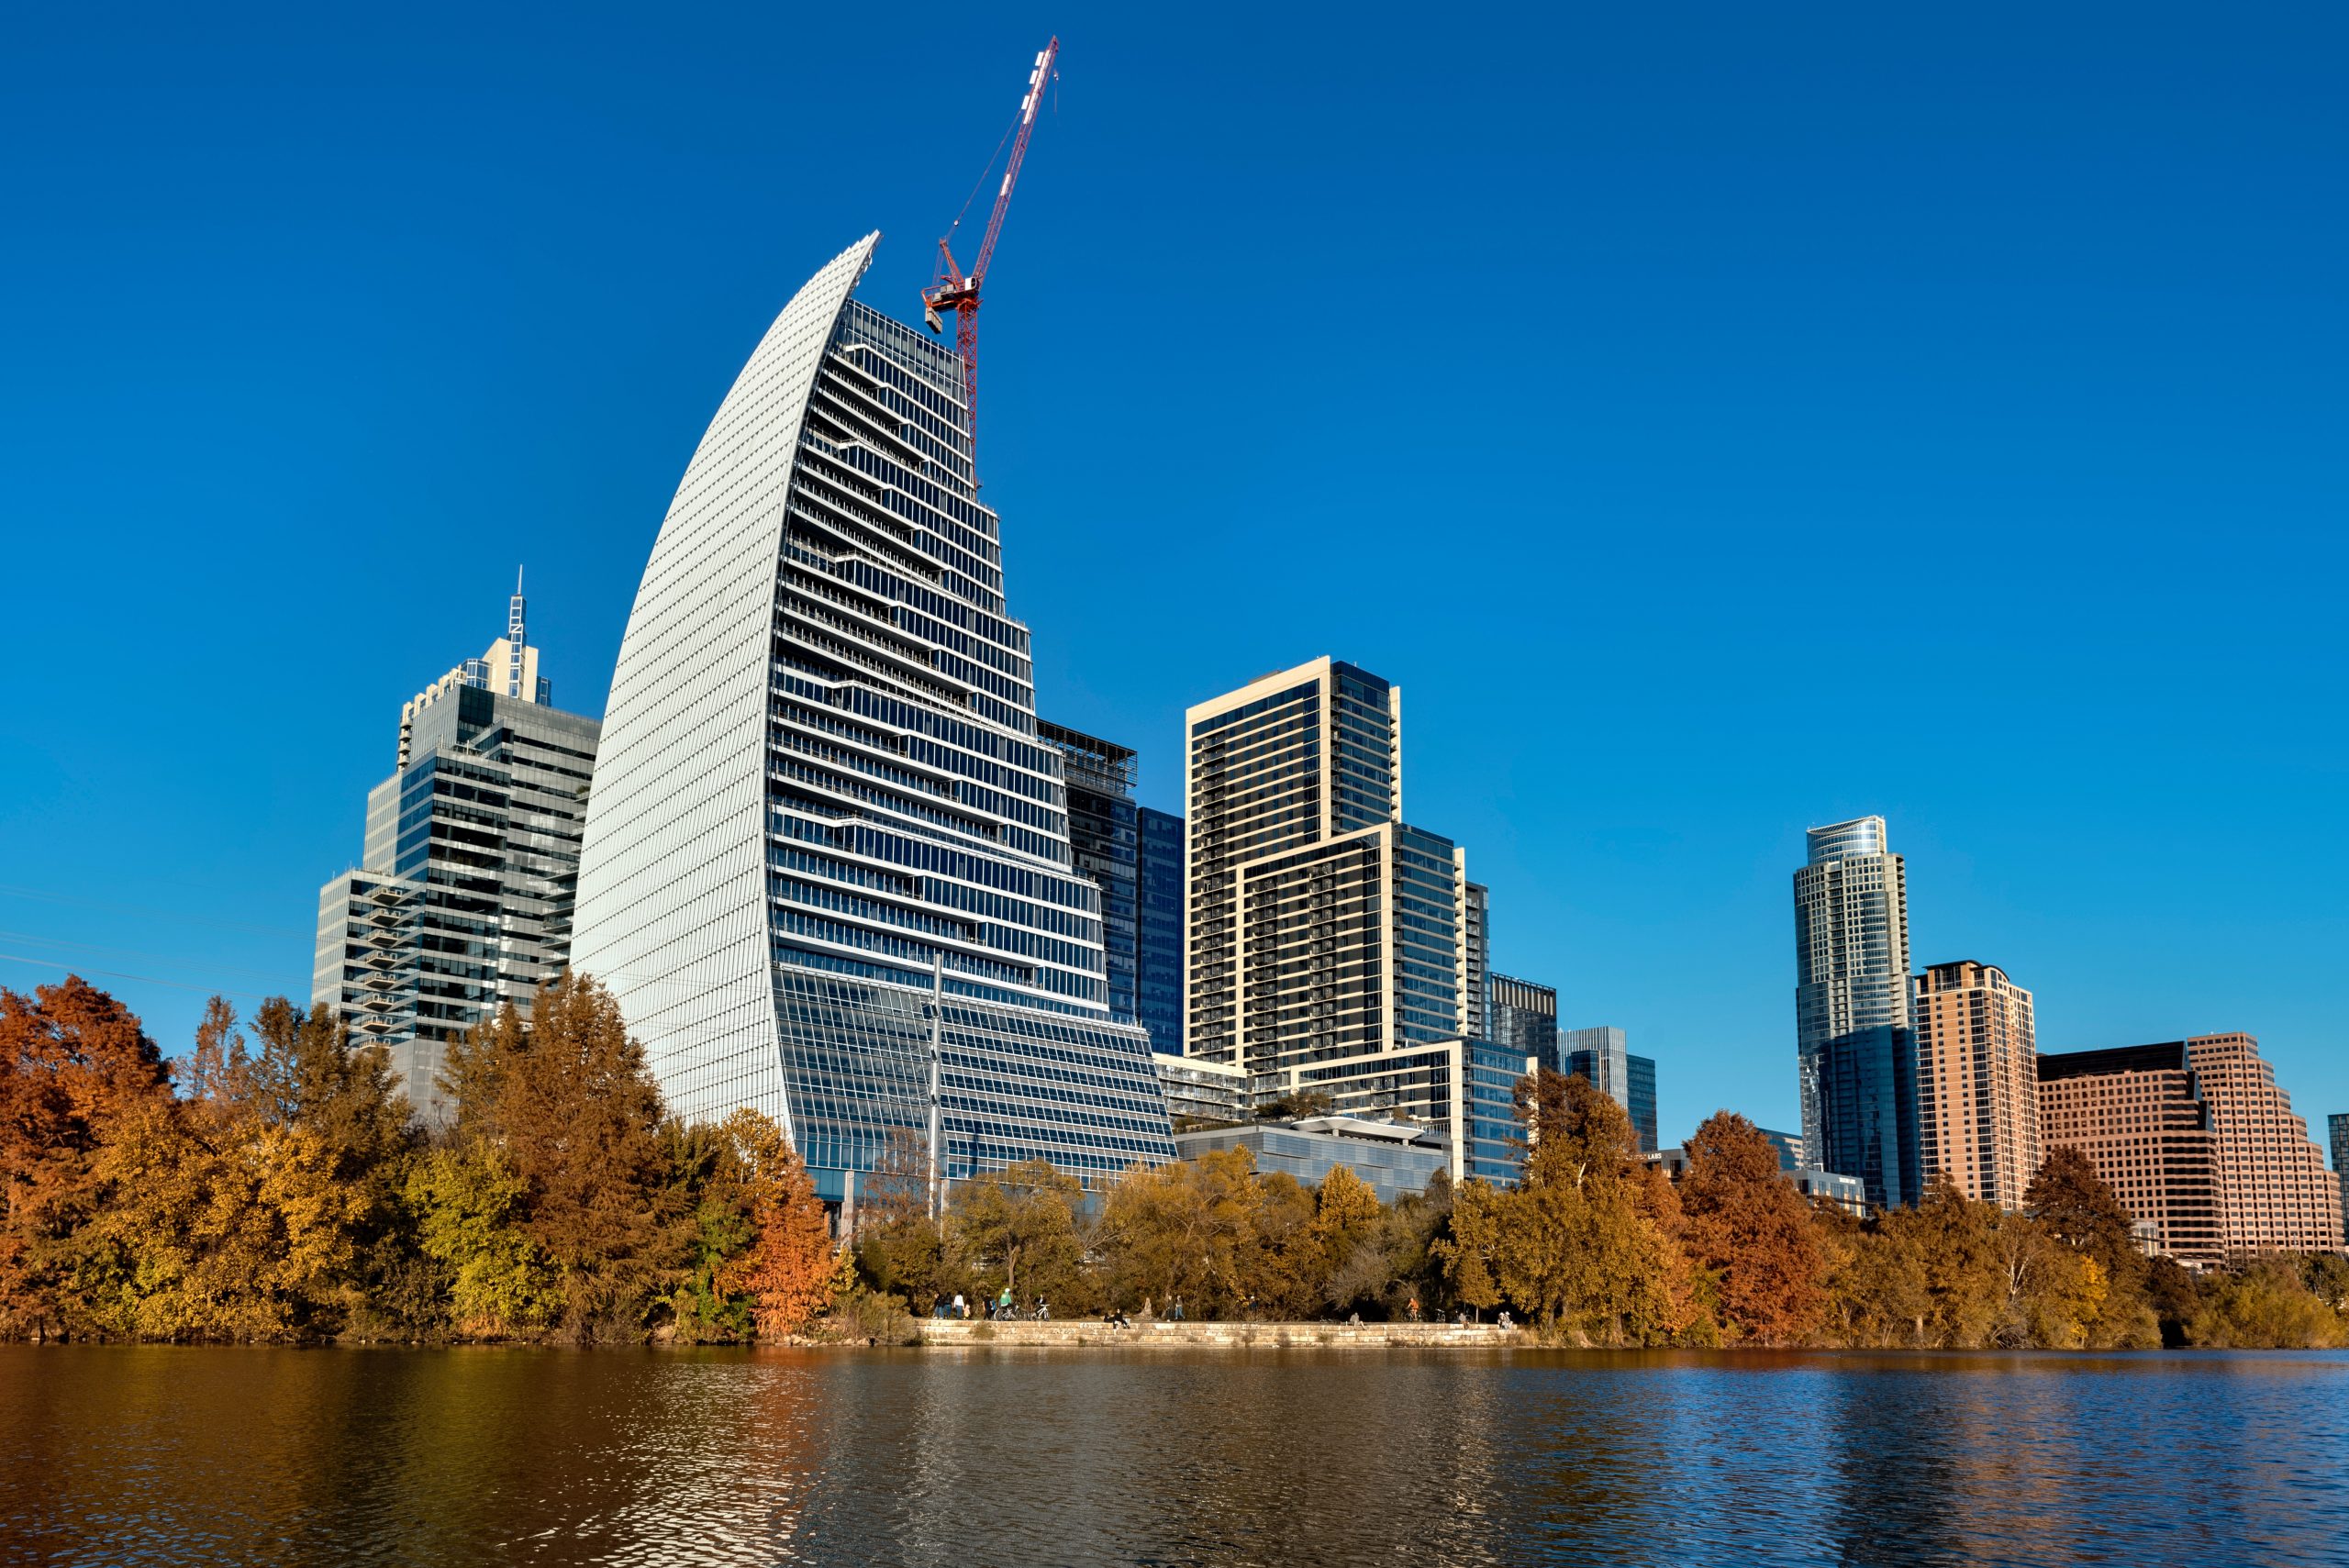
[
  {"x": 1104, "y": 845},
  {"x": 2338, "y": 1122},
  {"x": 1853, "y": 1052},
  {"x": 1158, "y": 956},
  {"x": 1473, "y": 975},
  {"x": 1977, "y": 1081},
  {"x": 2138, "y": 1113},
  {"x": 469, "y": 865},
  {"x": 2276, "y": 1193},
  {"x": 1602, "y": 1055},
  {"x": 1332, "y": 948},
  {"x": 827, "y": 871},
  {"x": 1524, "y": 1018}
]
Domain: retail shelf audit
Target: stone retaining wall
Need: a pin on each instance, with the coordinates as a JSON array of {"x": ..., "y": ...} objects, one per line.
[{"x": 1215, "y": 1336}]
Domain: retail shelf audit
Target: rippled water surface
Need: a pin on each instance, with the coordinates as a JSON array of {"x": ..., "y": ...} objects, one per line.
[{"x": 1003, "y": 1457}]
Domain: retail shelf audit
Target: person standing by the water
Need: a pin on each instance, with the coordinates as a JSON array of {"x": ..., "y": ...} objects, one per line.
[
  {"x": 962, "y": 1309},
  {"x": 1174, "y": 1313}
]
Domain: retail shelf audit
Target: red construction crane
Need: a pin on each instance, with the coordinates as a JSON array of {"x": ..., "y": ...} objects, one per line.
[{"x": 958, "y": 291}]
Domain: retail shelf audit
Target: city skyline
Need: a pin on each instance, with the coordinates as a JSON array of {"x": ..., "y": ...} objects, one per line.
[{"x": 1617, "y": 844}]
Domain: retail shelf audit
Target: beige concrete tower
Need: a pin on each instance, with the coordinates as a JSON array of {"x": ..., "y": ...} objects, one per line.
[{"x": 1977, "y": 1083}]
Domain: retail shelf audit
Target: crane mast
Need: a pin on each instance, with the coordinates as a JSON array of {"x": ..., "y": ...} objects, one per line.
[{"x": 958, "y": 291}]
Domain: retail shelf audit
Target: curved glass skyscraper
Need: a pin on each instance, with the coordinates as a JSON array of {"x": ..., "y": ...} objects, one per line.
[{"x": 827, "y": 856}]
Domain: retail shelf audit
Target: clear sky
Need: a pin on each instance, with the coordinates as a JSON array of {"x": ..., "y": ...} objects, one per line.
[{"x": 1719, "y": 421}]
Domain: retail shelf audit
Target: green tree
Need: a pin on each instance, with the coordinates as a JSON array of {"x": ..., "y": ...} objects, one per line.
[
  {"x": 470, "y": 1204},
  {"x": 1747, "y": 1225},
  {"x": 902, "y": 1251}
]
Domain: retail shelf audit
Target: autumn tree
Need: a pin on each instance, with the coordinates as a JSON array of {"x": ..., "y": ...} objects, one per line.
[
  {"x": 1576, "y": 1245},
  {"x": 568, "y": 1104},
  {"x": 73, "y": 1063},
  {"x": 1282, "y": 1277},
  {"x": 786, "y": 1273},
  {"x": 902, "y": 1250},
  {"x": 1747, "y": 1225},
  {"x": 1018, "y": 1226},
  {"x": 1186, "y": 1228},
  {"x": 2070, "y": 1202},
  {"x": 2264, "y": 1303}
]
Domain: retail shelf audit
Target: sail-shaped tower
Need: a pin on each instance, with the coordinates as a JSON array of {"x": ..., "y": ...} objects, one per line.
[{"x": 827, "y": 868}]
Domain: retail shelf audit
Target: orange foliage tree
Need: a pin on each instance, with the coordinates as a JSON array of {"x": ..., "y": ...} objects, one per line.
[
  {"x": 1745, "y": 1223},
  {"x": 73, "y": 1063},
  {"x": 787, "y": 1269}
]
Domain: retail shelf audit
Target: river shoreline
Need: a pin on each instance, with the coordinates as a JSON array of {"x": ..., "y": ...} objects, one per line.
[{"x": 1093, "y": 1333}]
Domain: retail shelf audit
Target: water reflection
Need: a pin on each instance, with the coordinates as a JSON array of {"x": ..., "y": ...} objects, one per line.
[{"x": 171, "y": 1456}]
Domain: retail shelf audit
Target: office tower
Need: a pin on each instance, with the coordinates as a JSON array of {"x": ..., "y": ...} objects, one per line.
[
  {"x": 1326, "y": 935},
  {"x": 1853, "y": 1052},
  {"x": 1977, "y": 1081},
  {"x": 2138, "y": 1113},
  {"x": 1792, "y": 1155},
  {"x": 1158, "y": 946},
  {"x": 827, "y": 871},
  {"x": 2338, "y": 1122},
  {"x": 470, "y": 866},
  {"x": 1524, "y": 1018},
  {"x": 1601, "y": 1055},
  {"x": 1103, "y": 844},
  {"x": 2275, "y": 1192}
]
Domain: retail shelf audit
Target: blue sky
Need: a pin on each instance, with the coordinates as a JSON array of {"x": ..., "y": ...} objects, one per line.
[{"x": 1718, "y": 422}]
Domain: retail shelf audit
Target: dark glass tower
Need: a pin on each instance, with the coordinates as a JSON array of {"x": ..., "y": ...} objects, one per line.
[
  {"x": 1158, "y": 989},
  {"x": 1103, "y": 844}
]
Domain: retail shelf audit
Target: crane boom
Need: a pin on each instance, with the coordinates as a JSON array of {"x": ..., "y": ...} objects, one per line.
[{"x": 958, "y": 291}]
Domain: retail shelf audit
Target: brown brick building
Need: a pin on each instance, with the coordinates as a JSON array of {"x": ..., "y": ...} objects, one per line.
[
  {"x": 2138, "y": 1114},
  {"x": 2194, "y": 1137},
  {"x": 1977, "y": 1085}
]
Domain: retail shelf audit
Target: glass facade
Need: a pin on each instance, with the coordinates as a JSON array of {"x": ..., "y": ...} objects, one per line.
[
  {"x": 823, "y": 805},
  {"x": 1601, "y": 1055},
  {"x": 1105, "y": 843},
  {"x": 1158, "y": 959},
  {"x": 1854, "y": 1050},
  {"x": 1391, "y": 1166},
  {"x": 470, "y": 868},
  {"x": 1524, "y": 1018}
]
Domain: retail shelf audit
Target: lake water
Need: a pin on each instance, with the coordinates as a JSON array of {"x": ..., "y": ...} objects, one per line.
[{"x": 168, "y": 1455}]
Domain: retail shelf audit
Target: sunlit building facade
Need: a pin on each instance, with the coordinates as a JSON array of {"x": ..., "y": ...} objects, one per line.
[
  {"x": 1332, "y": 948},
  {"x": 1854, "y": 1054},
  {"x": 2138, "y": 1114},
  {"x": 1977, "y": 1081},
  {"x": 463, "y": 901},
  {"x": 828, "y": 871},
  {"x": 2277, "y": 1195}
]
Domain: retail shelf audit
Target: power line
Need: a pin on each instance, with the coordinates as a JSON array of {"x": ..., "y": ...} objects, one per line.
[
  {"x": 44, "y": 897},
  {"x": 121, "y": 974},
  {"x": 39, "y": 941}
]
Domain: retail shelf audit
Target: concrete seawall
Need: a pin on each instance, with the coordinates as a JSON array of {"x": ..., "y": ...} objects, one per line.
[{"x": 1093, "y": 1333}]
